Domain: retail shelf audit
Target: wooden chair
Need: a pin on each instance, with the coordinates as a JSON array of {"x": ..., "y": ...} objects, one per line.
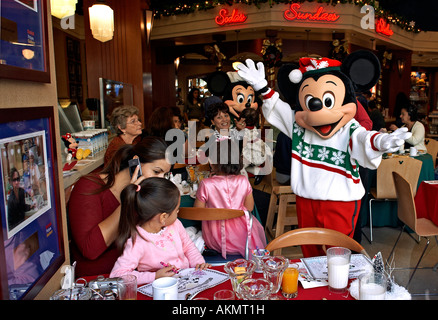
[
  {"x": 210, "y": 214},
  {"x": 407, "y": 213},
  {"x": 385, "y": 191},
  {"x": 283, "y": 204},
  {"x": 432, "y": 149},
  {"x": 315, "y": 236}
]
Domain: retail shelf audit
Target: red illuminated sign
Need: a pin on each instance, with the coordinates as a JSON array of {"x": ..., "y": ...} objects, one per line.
[
  {"x": 294, "y": 14},
  {"x": 236, "y": 17},
  {"x": 383, "y": 27}
]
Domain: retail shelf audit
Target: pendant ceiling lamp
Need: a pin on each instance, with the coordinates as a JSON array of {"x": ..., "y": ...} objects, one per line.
[
  {"x": 63, "y": 8},
  {"x": 101, "y": 21}
]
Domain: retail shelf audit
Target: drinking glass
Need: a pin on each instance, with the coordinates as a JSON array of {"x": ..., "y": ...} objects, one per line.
[
  {"x": 257, "y": 255},
  {"x": 255, "y": 289},
  {"x": 273, "y": 269},
  {"x": 127, "y": 287},
  {"x": 338, "y": 265},
  {"x": 239, "y": 270},
  {"x": 372, "y": 286},
  {"x": 289, "y": 284},
  {"x": 224, "y": 295}
]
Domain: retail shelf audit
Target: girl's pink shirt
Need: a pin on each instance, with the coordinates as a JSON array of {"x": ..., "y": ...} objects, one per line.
[{"x": 143, "y": 257}]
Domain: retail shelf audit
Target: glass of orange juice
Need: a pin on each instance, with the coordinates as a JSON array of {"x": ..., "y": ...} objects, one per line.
[{"x": 289, "y": 284}]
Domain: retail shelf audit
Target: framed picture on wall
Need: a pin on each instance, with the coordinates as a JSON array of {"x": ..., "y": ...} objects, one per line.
[
  {"x": 24, "y": 51},
  {"x": 31, "y": 241}
]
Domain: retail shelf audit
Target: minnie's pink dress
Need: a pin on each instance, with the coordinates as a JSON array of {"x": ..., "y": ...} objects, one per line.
[{"x": 229, "y": 192}]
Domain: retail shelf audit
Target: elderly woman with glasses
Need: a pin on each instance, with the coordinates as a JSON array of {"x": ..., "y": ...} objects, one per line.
[{"x": 129, "y": 128}]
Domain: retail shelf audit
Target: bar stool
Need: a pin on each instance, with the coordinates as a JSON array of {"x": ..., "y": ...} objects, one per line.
[{"x": 283, "y": 204}]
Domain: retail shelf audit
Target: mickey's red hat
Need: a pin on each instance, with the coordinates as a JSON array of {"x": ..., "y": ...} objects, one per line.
[{"x": 313, "y": 65}]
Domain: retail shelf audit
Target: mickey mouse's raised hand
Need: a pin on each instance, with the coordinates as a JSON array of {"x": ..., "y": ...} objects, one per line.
[
  {"x": 254, "y": 75},
  {"x": 392, "y": 142}
]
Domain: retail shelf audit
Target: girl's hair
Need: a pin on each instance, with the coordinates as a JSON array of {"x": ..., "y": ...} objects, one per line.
[
  {"x": 148, "y": 150},
  {"x": 226, "y": 157},
  {"x": 120, "y": 115},
  {"x": 412, "y": 112},
  {"x": 160, "y": 121},
  {"x": 155, "y": 196}
]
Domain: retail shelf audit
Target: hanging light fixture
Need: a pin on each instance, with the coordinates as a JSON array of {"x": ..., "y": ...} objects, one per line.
[
  {"x": 101, "y": 21},
  {"x": 63, "y": 8}
]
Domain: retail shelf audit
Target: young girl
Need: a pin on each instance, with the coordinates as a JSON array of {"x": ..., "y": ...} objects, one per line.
[
  {"x": 150, "y": 234},
  {"x": 231, "y": 190}
]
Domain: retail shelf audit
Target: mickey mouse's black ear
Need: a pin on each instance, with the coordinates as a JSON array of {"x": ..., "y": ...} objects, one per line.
[
  {"x": 363, "y": 68},
  {"x": 217, "y": 83},
  {"x": 287, "y": 88}
]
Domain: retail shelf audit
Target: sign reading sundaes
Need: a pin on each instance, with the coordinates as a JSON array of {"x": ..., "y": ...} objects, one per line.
[{"x": 294, "y": 13}]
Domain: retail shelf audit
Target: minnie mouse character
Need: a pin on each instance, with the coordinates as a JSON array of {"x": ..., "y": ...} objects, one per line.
[
  {"x": 236, "y": 92},
  {"x": 328, "y": 144},
  {"x": 70, "y": 146}
]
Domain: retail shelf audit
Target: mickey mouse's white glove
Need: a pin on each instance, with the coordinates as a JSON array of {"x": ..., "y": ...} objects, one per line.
[
  {"x": 255, "y": 76},
  {"x": 392, "y": 142}
]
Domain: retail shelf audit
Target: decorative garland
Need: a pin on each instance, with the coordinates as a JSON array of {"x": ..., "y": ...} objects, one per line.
[
  {"x": 171, "y": 7},
  {"x": 271, "y": 52}
]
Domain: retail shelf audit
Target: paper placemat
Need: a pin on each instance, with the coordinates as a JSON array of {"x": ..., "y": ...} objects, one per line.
[{"x": 192, "y": 282}]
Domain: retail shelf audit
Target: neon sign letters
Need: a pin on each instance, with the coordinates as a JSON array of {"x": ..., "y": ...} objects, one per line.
[
  {"x": 383, "y": 27},
  {"x": 294, "y": 14},
  {"x": 236, "y": 17}
]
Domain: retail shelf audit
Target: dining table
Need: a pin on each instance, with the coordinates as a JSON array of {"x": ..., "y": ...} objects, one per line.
[
  {"x": 426, "y": 200},
  {"x": 317, "y": 293},
  {"x": 385, "y": 212}
]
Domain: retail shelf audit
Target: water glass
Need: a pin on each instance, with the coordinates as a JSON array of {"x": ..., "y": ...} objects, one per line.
[
  {"x": 257, "y": 255},
  {"x": 239, "y": 270},
  {"x": 255, "y": 289},
  {"x": 128, "y": 285},
  {"x": 372, "y": 286},
  {"x": 224, "y": 295},
  {"x": 273, "y": 269},
  {"x": 338, "y": 265}
]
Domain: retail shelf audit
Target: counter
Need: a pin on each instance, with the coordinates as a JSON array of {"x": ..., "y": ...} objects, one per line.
[{"x": 82, "y": 168}]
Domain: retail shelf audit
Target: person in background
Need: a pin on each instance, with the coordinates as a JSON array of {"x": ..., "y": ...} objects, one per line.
[
  {"x": 129, "y": 128},
  {"x": 94, "y": 205},
  {"x": 193, "y": 107},
  {"x": 16, "y": 202},
  {"x": 376, "y": 117},
  {"x": 231, "y": 190},
  {"x": 410, "y": 120},
  {"x": 150, "y": 235},
  {"x": 401, "y": 101},
  {"x": 220, "y": 121}
]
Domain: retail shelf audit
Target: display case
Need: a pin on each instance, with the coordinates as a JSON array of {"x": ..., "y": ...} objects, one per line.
[{"x": 420, "y": 97}]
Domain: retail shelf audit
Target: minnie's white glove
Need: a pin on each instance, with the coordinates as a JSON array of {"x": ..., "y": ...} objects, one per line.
[
  {"x": 255, "y": 76},
  {"x": 391, "y": 142}
]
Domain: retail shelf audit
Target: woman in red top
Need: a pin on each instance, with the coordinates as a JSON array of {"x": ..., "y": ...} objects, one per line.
[
  {"x": 129, "y": 128},
  {"x": 94, "y": 205}
]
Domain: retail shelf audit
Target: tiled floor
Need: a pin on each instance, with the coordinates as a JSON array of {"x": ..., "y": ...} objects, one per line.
[{"x": 424, "y": 285}]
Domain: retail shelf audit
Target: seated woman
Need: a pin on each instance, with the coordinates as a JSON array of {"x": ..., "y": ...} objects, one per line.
[
  {"x": 410, "y": 119},
  {"x": 94, "y": 205},
  {"x": 125, "y": 120}
]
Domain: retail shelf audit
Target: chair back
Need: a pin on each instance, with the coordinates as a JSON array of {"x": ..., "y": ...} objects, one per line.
[
  {"x": 407, "y": 167},
  {"x": 208, "y": 214},
  {"x": 315, "y": 236},
  {"x": 432, "y": 149},
  {"x": 405, "y": 201}
]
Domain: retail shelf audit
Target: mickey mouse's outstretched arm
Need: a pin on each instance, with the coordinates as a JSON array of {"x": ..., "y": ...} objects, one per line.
[{"x": 254, "y": 75}]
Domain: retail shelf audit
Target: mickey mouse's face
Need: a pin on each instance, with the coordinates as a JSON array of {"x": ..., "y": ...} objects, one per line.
[
  {"x": 242, "y": 97},
  {"x": 322, "y": 106}
]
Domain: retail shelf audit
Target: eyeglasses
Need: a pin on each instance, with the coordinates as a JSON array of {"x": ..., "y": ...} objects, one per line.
[
  {"x": 16, "y": 179},
  {"x": 133, "y": 121}
]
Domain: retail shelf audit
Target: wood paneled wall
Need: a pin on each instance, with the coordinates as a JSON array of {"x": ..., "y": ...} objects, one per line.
[{"x": 119, "y": 59}]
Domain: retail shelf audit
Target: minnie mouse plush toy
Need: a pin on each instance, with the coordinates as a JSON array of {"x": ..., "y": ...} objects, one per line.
[{"x": 328, "y": 144}]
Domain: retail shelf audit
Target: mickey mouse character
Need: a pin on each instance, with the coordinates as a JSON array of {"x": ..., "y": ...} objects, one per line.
[
  {"x": 328, "y": 144},
  {"x": 237, "y": 93}
]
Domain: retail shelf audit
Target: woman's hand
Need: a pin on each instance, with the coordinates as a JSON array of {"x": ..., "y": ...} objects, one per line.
[
  {"x": 393, "y": 127},
  {"x": 134, "y": 178}
]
